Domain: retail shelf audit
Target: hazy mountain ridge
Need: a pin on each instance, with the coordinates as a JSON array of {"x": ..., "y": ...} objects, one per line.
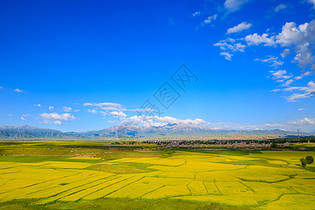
[
  {"x": 31, "y": 132},
  {"x": 133, "y": 131}
]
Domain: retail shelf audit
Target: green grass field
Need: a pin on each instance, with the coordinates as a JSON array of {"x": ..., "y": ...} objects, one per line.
[{"x": 72, "y": 175}]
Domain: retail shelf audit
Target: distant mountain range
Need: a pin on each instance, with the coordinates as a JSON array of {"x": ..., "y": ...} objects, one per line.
[
  {"x": 30, "y": 132},
  {"x": 129, "y": 131}
]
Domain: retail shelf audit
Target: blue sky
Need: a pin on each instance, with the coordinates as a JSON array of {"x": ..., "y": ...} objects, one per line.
[{"x": 81, "y": 65}]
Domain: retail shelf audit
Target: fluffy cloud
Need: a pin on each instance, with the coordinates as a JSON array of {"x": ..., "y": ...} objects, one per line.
[
  {"x": 255, "y": 39},
  {"x": 288, "y": 82},
  {"x": 17, "y": 90},
  {"x": 305, "y": 121},
  {"x": 280, "y": 7},
  {"x": 160, "y": 121},
  {"x": 210, "y": 19},
  {"x": 307, "y": 91},
  {"x": 280, "y": 74},
  {"x": 106, "y": 106},
  {"x": 118, "y": 114},
  {"x": 197, "y": 13},
  {"x": 285, "y": 52},
  {"x": 301, "y": 38},
  {"x": 227, "y": 55},
  {"x": 272, "y": 60},
  {"x": 148, "y": 121},
  {"x": 298, "y": 40},
  {"x": 93, "y": 111},
  {"x": 230, "y": 46},
  {"x": 55, "y": 118},
  {"x": 234, "y": 5},
  {"x": 311, "y": 2},
  {"x": 37, "y": 105},
  {"x": 67, "y": 109},
  {"x": 143, "y": 110},
  {"x": 22, "y": 118},
  {"x": 51, "y": 108},
  {"x": 240, "y": 27}
]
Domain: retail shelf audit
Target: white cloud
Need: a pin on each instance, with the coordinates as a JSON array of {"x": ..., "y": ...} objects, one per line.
[
  {"x": 272, "y": 60},
  {"x": 118, "y": 114},
  {"x": 103, "y": 113},
  {"x": 296, "y": 96},
  {"x": 143, "y": 110},
  {"x": 305, "y": 121},
  {"x": 298, "y": 39},
  {"x": 37, "y": 105},
  {"x": 301, "y": 39},
  {"x": 197, "y": 13},
  {"x": 280, "y": 7},
  {"x": 281, "y": 77},
  {"x": 26, "y": 115},
  {"x": 234, "y": 5},
  {"x": 311, "y": 2},
  {"x": 285, "y": 52},
  {"x": 275, "y": 90},
  {"x": 22, "y": 118},
  {"x": 307, "y": 91},
  {"x": 300, "y": 109},
  {"x": 255, "y": 39},
  {"x": 148, "y": 121},
  {"x": 280, "y": 74},
  {"x": 210, "y": 19},
  {"x": 55, "y": 118},
  {"x": 227, "y": 55},
  {"x": 307, "y": 73},
  {"x": 67, "y": 109},
  {"x": 93, "y": 111},
  {"x": 230, "y": 46},
  {"x": 51, "y": 108},
  {"x": 288, "y": 82},
  {"x": 17, "y": 90},
  {"x": 87, "y": 104},
  {"x": 106, "y": 106},
  {"x": 240, "y": 27}
]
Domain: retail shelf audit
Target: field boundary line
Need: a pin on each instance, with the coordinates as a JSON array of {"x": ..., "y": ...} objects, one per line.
[
  {"x": 36, "y": 184},
  {"x": 205, "y": 187},
  {"x": 108, "y": 185},
  {"x": 247, "y": 187},
  {"x": 152, "y": 191},
  {"x": 124, "y": 186},
  {"x": 69, "y": 189}
]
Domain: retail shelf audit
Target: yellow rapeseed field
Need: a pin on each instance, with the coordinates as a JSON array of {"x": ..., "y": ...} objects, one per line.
[{"x": 267, "y": 180}]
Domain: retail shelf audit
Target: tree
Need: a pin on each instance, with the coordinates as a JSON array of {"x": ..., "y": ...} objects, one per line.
[
  {"x": 303, "y": 162},
  {"x": 309, "y": 159}
]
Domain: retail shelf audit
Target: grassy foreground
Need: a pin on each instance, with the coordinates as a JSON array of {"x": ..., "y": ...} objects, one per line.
[{"x": 93, "y": 175}]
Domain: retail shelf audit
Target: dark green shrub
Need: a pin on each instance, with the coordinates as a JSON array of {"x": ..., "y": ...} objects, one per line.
[
  {"x": 303, "y": 162},
  {"x": 309, "y": 159}
]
